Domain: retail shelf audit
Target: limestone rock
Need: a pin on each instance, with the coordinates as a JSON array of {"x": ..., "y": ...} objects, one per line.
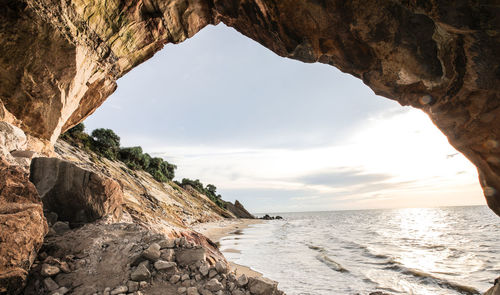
[
  {"x": 163, "y": 265},
  {"x": 214, "y": 285},
  {"x": 22, "y": 226},
  {"x": 262, "y": 286},
  {"x": 49, "y": 270},
  {"x": 152, "y": 252},
  {"x": 119, "y": 290},
  {"x": 242, "y": 280},
  {"x": 192, "y": 291},
  {"x": 186, "y": 257},
  {"x": 220, "y": 267},
  {"x": 141, "y": 273},
  {"x": 76, "y": 195}
]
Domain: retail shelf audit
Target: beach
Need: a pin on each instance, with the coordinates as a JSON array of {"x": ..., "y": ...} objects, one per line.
[{"x": 217, "y": 230}]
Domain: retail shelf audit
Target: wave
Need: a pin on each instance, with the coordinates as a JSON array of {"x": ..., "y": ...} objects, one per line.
[
  {"x": 322, "y": 257},
  {"x": 427, "y": 278},
  {"x": 332, "y": 264}
]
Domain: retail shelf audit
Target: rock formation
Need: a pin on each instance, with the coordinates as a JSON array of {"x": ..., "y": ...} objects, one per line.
[
  {"x": 22, "y": 227},
  {"x": 60, "y": 60},
  {"x": 128, "y": 259},
  {"x": 76, "y": 195},
  {"x": 238, "y": 210}
]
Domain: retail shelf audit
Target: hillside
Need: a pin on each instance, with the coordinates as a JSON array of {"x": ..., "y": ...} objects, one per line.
[{"x": 162, "y": 206}]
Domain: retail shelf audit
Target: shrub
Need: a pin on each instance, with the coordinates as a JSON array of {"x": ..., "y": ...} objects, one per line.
[
  {"x": 134, "y": 158},
  {"x": 106, "y": 143}
]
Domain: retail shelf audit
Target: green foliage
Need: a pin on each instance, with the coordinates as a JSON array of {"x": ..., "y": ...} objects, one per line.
[
  {"x": 76, "y": 136},
  {"x": 210, "y": 191},
  {"x": 134, "y": 158},
  {"x": 106, "y": 143}
]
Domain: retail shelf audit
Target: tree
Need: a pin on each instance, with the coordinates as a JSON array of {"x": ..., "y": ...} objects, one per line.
[
  {"x": 211, "y": 188},
  {"x": 107, "y": 143},
  {"x": 134, "y": 158}
]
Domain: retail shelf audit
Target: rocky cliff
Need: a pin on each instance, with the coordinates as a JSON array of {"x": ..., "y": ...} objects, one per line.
[
  {"x": 60, "y": 60},
  {"x": 163, "y": 207}
]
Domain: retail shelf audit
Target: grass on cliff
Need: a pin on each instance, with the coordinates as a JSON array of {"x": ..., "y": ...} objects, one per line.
[{"x": 105, "y": 143}]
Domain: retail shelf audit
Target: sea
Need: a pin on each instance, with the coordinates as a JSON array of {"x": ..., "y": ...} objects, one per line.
[{"x": 448, "y": 250}]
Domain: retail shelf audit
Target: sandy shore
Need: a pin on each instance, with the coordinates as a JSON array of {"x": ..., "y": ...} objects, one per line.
[{"x": 219, "y": 229}]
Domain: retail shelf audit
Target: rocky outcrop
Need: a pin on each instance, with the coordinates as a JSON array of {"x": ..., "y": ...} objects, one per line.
[
  {"x": 128, "y": 259},
  {"x": 76, "y": 195},
  {"x": 14, "y": 144},
  {"x": 60, "y": 60},
  {"x": 22, "y": 227},
  {"x": 238, "y": 210},
  {"x": 163, "y": 207}
]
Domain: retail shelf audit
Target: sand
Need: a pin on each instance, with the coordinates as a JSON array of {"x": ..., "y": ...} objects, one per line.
[{"x": 219, "y": 229}]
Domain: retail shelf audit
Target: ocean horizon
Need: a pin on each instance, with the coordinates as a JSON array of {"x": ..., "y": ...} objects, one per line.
[{"x": 440, "y": 250}]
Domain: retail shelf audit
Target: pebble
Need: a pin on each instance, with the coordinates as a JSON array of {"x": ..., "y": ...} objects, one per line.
[
  {"x": 174, "y": 279},
  {"x": 132, "y": 286},
  {"x": 192, "y": 291},
  {"x": 49, "y": 270},
  {"x": 181, "y": 290},
  {"x": 119, "y": 290},
  {"x": 185, "y": 277}
]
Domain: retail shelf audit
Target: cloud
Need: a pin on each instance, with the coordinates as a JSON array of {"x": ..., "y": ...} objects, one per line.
[{"x": 343, "y": 177}]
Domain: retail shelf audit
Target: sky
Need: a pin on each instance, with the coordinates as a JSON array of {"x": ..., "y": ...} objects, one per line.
[{"x": 280, "y": 135}]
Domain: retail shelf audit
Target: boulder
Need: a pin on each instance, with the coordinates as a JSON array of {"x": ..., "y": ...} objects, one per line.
[
  {"x": 77, "y": 195},
  {"x": 22, "y": 226},
  {"x": 141, "y": 273},
  {"x": 214, "y": 285},
  {"x": 185, "y": 257},
  {"x": 163, "y": 265},
  {"x": 152, "y": 252},
  {"x": 262, "y": 286}
]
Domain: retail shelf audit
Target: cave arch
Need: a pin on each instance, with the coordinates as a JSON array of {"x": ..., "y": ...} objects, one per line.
[{"x": 61, "y": 61}]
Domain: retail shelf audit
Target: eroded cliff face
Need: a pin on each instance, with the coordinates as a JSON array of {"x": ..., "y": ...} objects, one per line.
[{"x": 59, "y": 60}]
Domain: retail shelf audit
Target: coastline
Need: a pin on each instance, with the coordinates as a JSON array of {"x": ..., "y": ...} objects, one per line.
[{"x": 217, "y": 230}]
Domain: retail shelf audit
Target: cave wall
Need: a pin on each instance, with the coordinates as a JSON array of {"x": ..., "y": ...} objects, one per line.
[{"x": 59, "y": 60}]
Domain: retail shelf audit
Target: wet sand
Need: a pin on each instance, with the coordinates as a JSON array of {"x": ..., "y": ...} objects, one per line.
[{"x": 219, "y": 229}]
